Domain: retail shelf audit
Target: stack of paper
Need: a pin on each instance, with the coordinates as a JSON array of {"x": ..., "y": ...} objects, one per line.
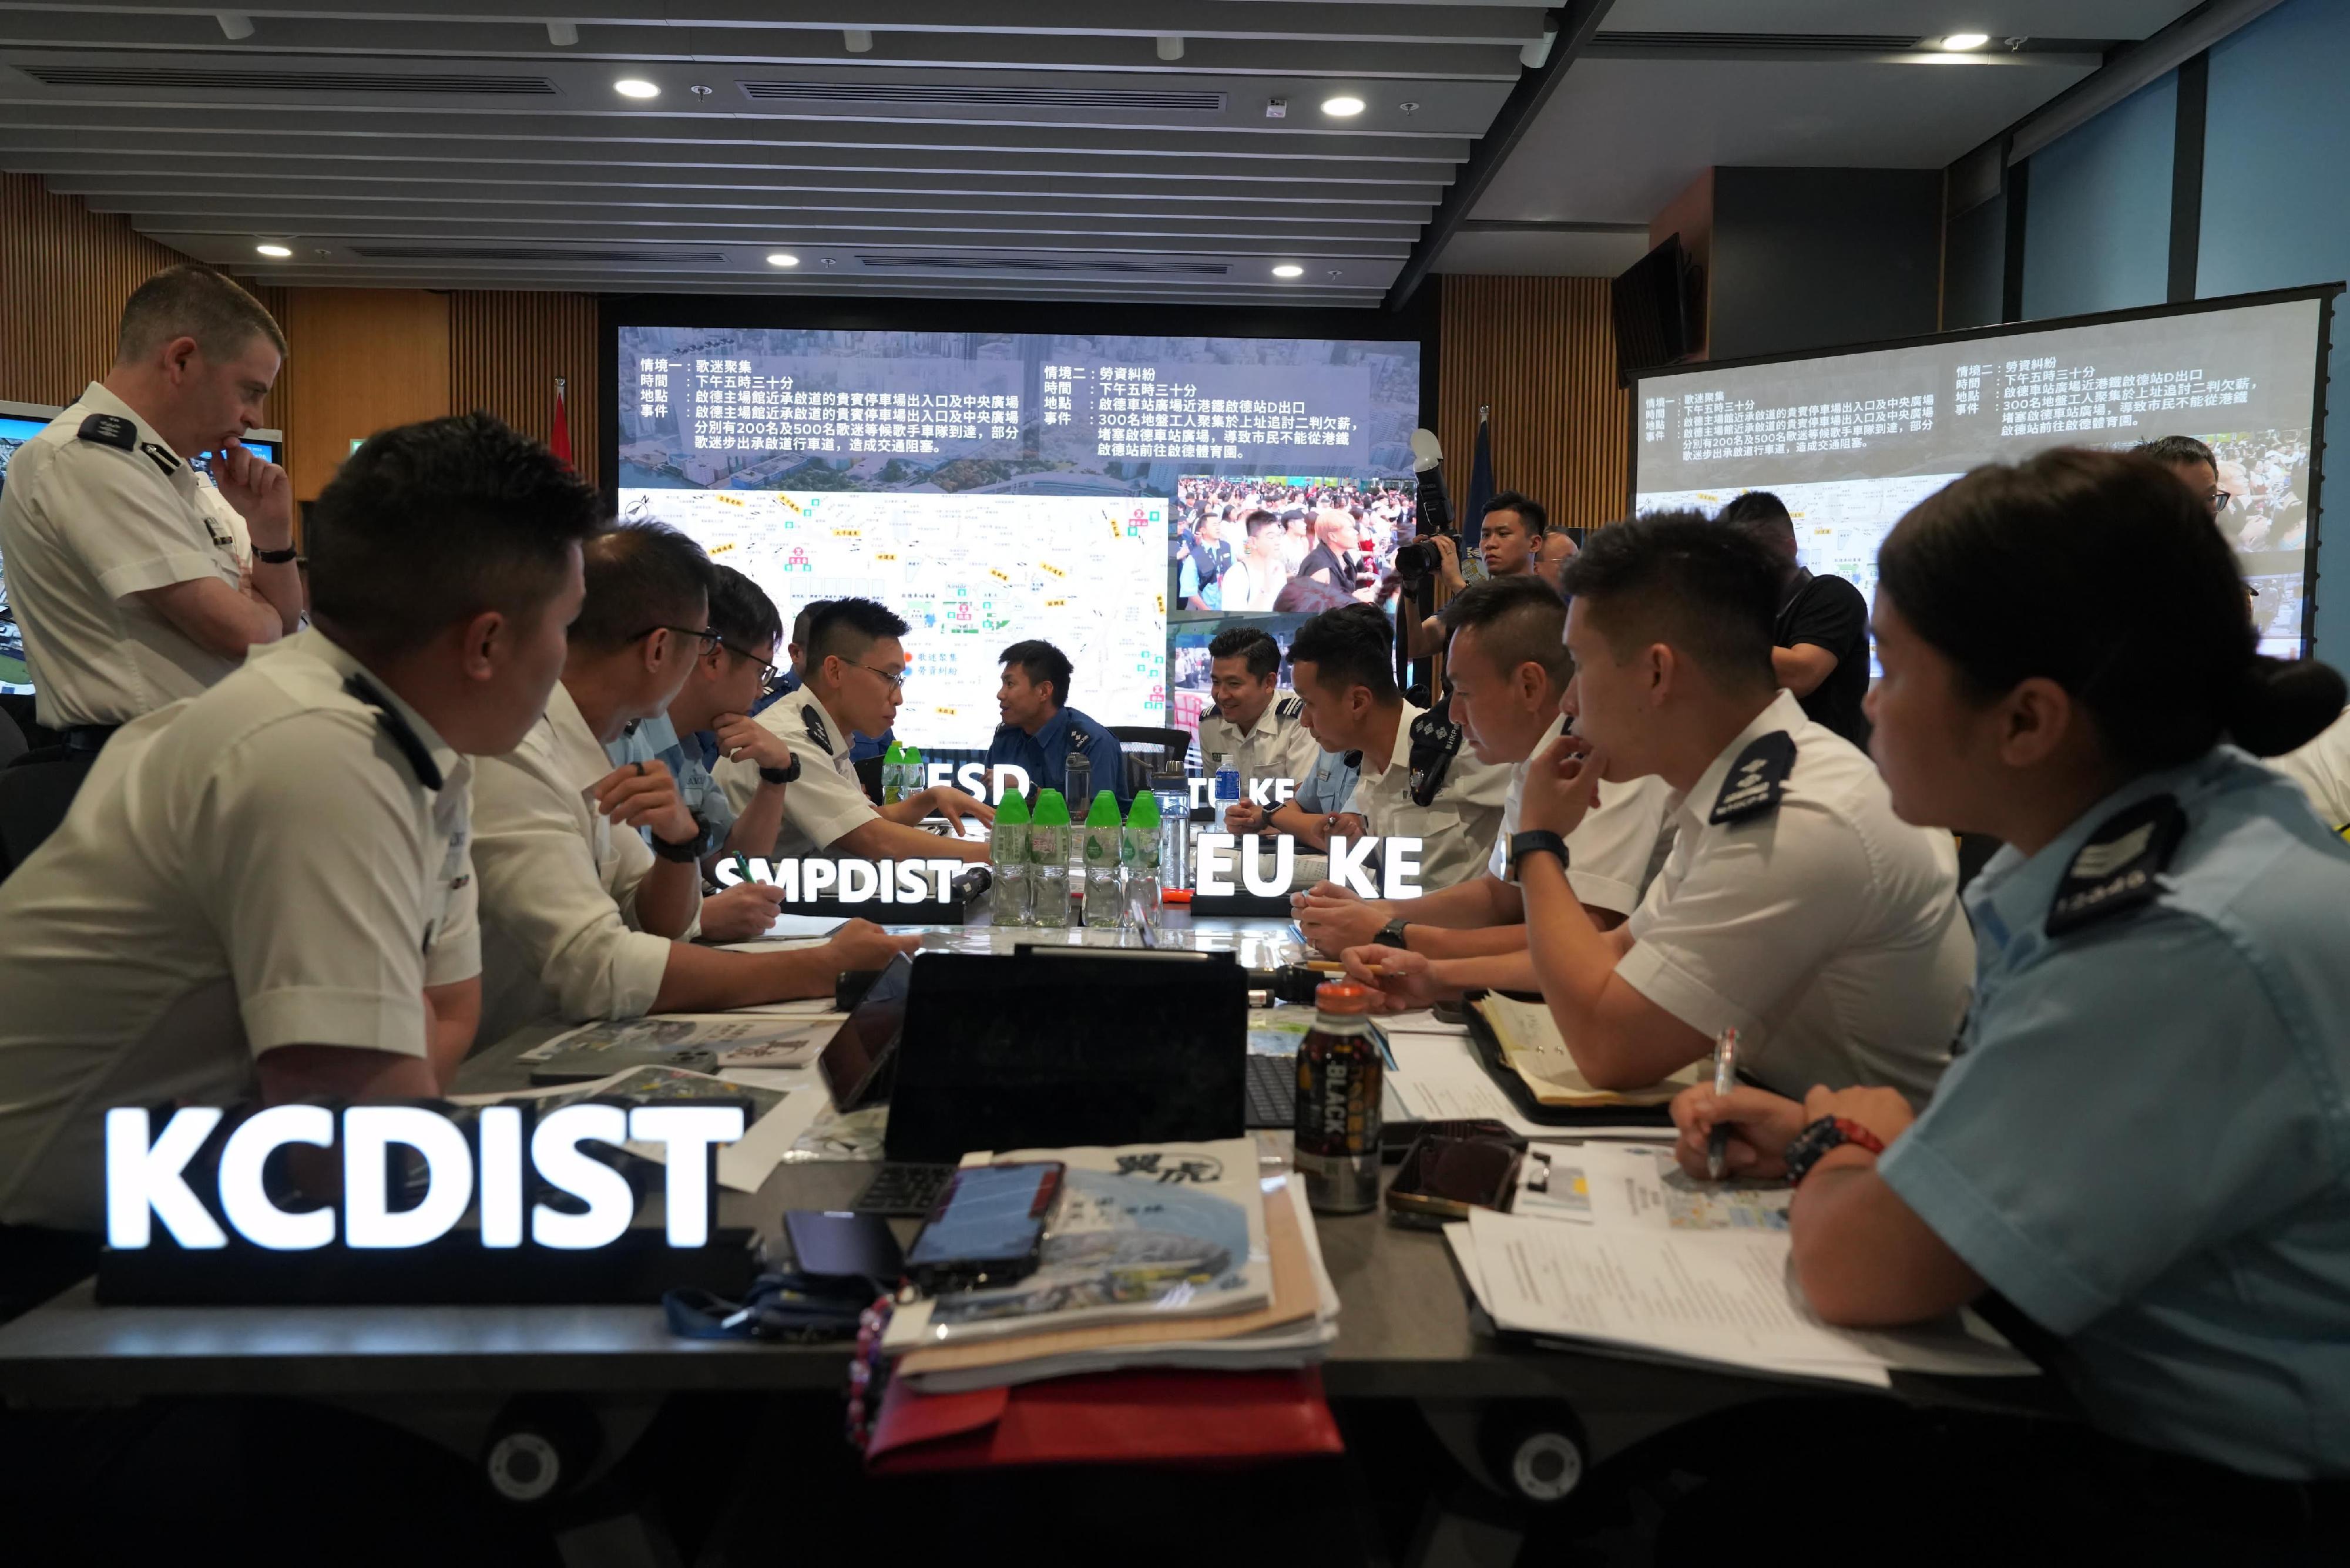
[
  {"x": 1171, "y": 1256},
  {"x": 1532, "y": 1045},
  {"x": 1659, "y": 1266}
]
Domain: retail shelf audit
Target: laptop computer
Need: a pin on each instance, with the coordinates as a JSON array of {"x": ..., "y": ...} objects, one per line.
[{"x": 1056, "y": 1047}]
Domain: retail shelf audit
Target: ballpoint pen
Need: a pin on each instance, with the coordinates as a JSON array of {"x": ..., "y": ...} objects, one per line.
[{"x": 1725, "y": 1077}]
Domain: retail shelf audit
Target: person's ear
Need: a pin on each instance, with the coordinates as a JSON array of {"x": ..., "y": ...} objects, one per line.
[
  {"x": 2035, "y": 722},
  {"x": 482, "y": 644},
  {"x": 179, "y": 358},
  {"x": 1661, "y": 671}
]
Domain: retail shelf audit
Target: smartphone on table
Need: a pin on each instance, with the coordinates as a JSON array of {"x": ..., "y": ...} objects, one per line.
[{"x": 988, "y": 1228}]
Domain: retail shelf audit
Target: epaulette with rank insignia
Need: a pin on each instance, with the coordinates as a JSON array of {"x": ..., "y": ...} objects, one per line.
[
  {"x": 813, "y": 721},
  {"x": 160, "y": 456},
  {"x": 109, "y": 430},
  {"x": 1756, "y": 780},
  {"x": 411, "y": 744},
  {"x": 2117, "y": 870},
  {"x": 1289, "y": 708}
]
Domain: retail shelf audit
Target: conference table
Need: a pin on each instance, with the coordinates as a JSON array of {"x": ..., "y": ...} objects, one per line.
[{"x": 446, "y": 1372}]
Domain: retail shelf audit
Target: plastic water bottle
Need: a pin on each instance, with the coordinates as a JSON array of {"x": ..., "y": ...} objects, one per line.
[
  {"x": 1228, "y": 785},
  {"x": 1142, "y": 857},
  {"x": 1048, "y": 860},
  {"x": 1105, "y": 837},
  {"x": 893, "y": 774},
  {"x": 913, "y": 782},
  {"x": 1007, "y": 852},
  {"x": 1080, "y": 780},
  {"x": 1171, "y": 795}
]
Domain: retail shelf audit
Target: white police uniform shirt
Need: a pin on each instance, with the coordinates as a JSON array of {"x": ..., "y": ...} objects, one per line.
[
  {"x": 98, "y": 509},
  {"x": 269, "y": 863},
  {"x": 1277, "y": 746},
  {"x": 559, "y": 928},
  {"x": 1455, "y": 829},
  {"x": 1618, "y": 849},
  {"x": 2321, "y": 769},
  {"x": 1825, "y": 929},
  {"x": 2142, "y": 1142},
  {"x": 219, "y": 509},
  {"x": 825, "y": 801}
]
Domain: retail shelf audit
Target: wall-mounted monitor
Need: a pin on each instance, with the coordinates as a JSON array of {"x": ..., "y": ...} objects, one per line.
[
  {"x": 994, "y": 486},
  {"x": 1851, "y": 440}
]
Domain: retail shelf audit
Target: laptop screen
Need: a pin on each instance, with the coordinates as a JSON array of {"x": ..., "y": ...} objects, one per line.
[
  {"x": 1008, "y": 1052},
  {"x": 855, "y": 1064}
]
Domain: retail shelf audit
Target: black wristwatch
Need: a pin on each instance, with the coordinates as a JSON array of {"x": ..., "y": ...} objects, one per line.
[
  {"x": 1391, "y": 935},
  {"x": 275, "y": 557},
  {"x": 1535, "y": 841},
  {"x": 686, "y": 852},
  {"x": 781, "y": 775}
]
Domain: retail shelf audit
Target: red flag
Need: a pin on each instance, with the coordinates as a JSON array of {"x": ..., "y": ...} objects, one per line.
[{"x": 559, "y": 439}]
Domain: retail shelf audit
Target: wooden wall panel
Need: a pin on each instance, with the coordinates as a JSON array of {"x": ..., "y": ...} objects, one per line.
[
  {"x": 507, "y": 350},
  {"x": 1541, "y": 352},
  {"x": 65, "y": 273},
  {"x": 370, "y": 357}
]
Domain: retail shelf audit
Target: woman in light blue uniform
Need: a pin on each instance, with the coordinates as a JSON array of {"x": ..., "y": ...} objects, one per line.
[{"x": 2144, "y": 1143}]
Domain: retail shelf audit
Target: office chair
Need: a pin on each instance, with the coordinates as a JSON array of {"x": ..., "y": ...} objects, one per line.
[{"x": 35, "y": 791}]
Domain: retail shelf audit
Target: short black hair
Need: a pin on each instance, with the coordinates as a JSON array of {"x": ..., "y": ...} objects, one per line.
[
  {"x": 847, "y": 628},
  {"x": 1351, "y": 645},
  {"x": 1264, "y": 654},
  {"x": 2098, "y": 570},
  {"x": 1041, "y": 663},
  {"x": 1518, "y": 620},
  {"x": 740, "y": 613},
  {"x": 641, "y": 575},
  {"x": 802, "y": 621},
  {"x": 1680, "y": 578},
  {"x": 429, "y": 524},
  {"x": 1537, "y": 520},
  {"x": 1258, "y": 521},
  {"x": 1756, "y": 509},
  {"x": 191, "y": 300},
  {"x": 2177, "y": 451}
]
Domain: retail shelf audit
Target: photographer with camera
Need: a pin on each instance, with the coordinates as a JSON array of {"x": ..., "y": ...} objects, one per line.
[
  {"x": 1509, "y": 542},
  {"x": 1419, "y": 778}
]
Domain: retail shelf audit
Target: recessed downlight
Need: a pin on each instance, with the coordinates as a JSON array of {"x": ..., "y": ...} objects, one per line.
[
  {"x": 636, "y": 87},
  {"x": 1342, "y": 106},
  {"x": 782, "y": 258},
  {"x": 275, "y": 251},
  {"x": 1963, "y": 41},
  {"x": 1289, "y": 269}
]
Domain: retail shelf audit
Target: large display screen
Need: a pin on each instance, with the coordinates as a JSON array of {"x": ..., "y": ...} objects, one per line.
[
  {"x": 992, "y": 487},
  {"x": 1850, "y": 442}
]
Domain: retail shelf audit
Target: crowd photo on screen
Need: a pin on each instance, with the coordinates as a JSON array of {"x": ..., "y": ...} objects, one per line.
[{"x": 1279, "y": 545}]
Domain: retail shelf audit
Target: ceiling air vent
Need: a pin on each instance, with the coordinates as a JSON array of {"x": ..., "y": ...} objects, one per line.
[
  {"x": 1855, "y": 43},
  {"x": 140, "y": 77},
  {"x": 1044, "y": 263},
  {"x": 916, "y": 94},
  {"x": 530, "y": 253}
]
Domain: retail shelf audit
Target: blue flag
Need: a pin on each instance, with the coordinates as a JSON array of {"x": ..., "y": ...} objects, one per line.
[{"x": 1481, "y": 483}]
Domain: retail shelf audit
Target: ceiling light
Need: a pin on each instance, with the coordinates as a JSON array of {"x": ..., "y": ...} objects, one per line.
[
  {"x": 783, "y": 258},
  {"x": 635, "y": 86},
  {"x": 1342, "y": 106},
  {"x": 1966, "y": 40},
  {"x": 1289, "y": 269},
  {"x": 277, "y": 251}
]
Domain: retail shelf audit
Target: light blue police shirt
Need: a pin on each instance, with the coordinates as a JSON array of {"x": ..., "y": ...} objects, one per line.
[
  {"x": 656, "y": 740},
  {"x": 1330, "y": 785},
  {"x": 2144, "y": 1143}
]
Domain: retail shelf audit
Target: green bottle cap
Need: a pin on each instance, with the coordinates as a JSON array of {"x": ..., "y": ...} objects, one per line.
[
  {"x": 1052, "y": 810},
  {"x": 914, "y": 756},
  {"x": 1013, "y": 811},
  {"x": 1144, "y": 815},
  {"x": 894, "y": 755},
  {"x": 1104, "y": 811}
]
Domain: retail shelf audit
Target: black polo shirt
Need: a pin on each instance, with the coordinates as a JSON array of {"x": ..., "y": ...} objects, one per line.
[{"x": 1828, "y": 612}]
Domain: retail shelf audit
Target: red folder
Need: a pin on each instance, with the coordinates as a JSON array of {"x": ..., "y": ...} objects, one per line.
[{"x": 1162, "y": 1417}]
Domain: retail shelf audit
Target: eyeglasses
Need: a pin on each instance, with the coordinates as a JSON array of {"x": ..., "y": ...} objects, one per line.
[
  {"x": 896, "y": 678},
  {"x": 770, "y": 675},
  {"x": 707, "y": 636},
  {"x": 2217, "y": 502}
]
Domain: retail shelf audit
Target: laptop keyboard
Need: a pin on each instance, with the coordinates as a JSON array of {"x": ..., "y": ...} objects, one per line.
[
  {"x": 903, "y": 1188},
  {"x": 1271, "y": 1091}
]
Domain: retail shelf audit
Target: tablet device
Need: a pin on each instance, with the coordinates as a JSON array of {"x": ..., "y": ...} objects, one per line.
[{"x": 858, "y": 1064}]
